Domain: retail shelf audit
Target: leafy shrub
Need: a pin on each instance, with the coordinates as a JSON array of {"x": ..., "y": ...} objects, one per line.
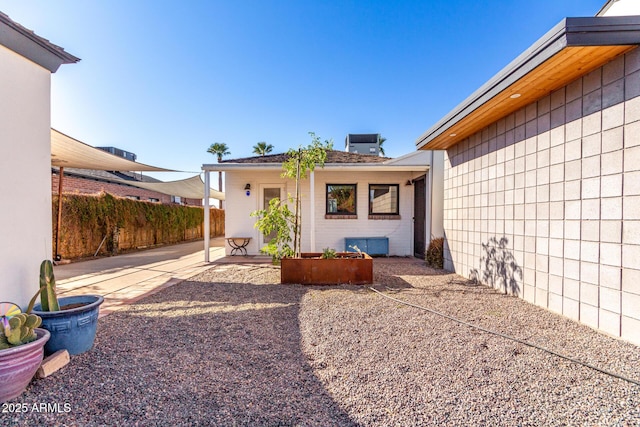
[
  {"x": 328, "y": 253},
  {"x": 435, "y": 253}
]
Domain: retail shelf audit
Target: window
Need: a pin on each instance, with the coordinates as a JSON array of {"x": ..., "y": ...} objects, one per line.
[
  {"x": 341, "y": 199},
  {"x": 383, "y": 199}
]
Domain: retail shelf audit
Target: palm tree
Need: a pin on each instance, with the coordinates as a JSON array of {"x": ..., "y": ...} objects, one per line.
[
  {"x": 382, "y": 140},
  {"x": 262, "y": 148},
  {"x": 219, "y": 149}
]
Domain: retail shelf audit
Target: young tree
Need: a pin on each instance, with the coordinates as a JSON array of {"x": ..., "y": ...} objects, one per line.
[
  {"x": 262, "y": 148},
  {"x": 219, "y": 149},
  {"x": 299, "y": 163}
]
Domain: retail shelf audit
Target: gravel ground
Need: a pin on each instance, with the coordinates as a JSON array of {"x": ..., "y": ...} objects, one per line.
[{"x": 233, "y": 347}]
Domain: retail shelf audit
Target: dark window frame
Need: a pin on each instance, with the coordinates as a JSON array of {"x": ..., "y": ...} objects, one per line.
[
  {"x": 397, "y": 213},
  {"x": 355, "y": 200}
]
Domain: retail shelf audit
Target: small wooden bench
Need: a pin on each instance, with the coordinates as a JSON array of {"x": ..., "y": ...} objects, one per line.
[{"x": 238, "y": 244}]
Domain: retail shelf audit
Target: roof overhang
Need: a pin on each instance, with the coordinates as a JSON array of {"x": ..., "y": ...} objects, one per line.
[
  {"x": 328, "y": 167},
  {"x": 33, "y": 47},
  {"x": 571, "y": 49}
]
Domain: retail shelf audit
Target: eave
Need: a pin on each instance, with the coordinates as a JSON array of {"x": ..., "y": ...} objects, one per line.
[
  {"x": 573, "y": 48},
  {"x": 33, "y": 47},
  {"x": 333, "y": 167}
]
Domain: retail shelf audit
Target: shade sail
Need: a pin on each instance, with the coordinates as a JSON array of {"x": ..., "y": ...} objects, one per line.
[
  {"x": 68, "y": 152},
  {"x": 190, "y": 188}
]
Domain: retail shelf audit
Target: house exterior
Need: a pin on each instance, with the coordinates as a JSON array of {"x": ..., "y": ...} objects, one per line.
[
  {"x": 353, "y": 196},
  {"x": 26, "y": 64},
  {"x": 542, "y": 163}
]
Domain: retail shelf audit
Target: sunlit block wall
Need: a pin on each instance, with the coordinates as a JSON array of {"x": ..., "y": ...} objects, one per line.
[
  {"x": 557, "y": 186},
  {"x": 25, "y": 174}
]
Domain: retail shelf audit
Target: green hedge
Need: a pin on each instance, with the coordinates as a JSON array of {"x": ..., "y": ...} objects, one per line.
[{"x": 88, "y": 220}]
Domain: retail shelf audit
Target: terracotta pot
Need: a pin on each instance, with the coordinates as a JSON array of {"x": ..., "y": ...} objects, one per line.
[
  {"x": 19, "y": 364},
  {"x": 309, "y": 269}
]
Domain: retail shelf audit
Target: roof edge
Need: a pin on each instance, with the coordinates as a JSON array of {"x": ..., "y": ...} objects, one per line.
[
  {"x": 33, "y": 47},
  {"x": 570, "y": 32}
]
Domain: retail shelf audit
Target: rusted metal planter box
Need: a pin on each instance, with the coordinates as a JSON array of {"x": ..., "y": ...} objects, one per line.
[{"x": 311, "y": 270}]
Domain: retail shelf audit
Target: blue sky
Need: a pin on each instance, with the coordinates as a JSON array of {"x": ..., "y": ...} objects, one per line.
[{"x": 165, "y": 79}]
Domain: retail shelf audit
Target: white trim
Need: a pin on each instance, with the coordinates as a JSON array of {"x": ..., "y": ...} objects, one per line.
[
  {"x": 206, "y": 216},
  {"x": 312, "y": 207}
]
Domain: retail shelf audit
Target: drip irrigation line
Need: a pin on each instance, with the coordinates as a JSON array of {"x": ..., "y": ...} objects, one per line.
[{"x": 489, "y": 331}]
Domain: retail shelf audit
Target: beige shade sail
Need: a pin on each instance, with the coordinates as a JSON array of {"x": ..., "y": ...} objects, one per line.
[
  {"x": 68, "y": 152},
  {"x": 190, "y": 188}
]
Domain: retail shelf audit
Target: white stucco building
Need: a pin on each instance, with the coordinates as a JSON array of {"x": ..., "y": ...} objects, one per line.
[
  {"x": 26, "y": 64},
  {"x": 397, "y": 199}
]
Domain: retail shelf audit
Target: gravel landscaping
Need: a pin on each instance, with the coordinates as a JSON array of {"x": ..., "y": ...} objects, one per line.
[{"x": 231, "y": 346}]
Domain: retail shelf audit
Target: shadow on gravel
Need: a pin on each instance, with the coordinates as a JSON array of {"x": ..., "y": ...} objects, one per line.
[{"x": 198, "y": 353}]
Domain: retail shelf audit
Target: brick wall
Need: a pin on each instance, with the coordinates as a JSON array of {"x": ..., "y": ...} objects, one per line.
[
  {"x": 80, "y": 185},
  {"x": 559, "y": 181}
]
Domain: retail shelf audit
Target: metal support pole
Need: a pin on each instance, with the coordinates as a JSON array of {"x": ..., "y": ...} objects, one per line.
[
  {"x": 56, "y": 255},
  {"x": 207, "y": 214}
]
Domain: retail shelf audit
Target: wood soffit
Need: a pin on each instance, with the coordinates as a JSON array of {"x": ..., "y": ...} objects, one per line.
[
  {"x": 560, "y": 70},
  {"x": 570, "y": 50}
]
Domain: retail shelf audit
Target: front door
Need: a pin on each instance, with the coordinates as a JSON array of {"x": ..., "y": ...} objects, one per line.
[
  {"x": 419, "y": 216},
  {"x": 269, "y": 193}
]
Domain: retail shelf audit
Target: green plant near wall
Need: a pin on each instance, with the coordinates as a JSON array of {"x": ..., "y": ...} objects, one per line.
[
  {"x": 435, "y": 253},
  {"x": 106, "y": 213},
  {"x": 276, "y": 218}
]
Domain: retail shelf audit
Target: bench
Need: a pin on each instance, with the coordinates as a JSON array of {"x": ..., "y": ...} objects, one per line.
[{"x": 238, "y": 244}]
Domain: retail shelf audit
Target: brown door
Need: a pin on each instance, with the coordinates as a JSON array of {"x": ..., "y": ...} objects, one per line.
[{"x": 419, "y": 216}]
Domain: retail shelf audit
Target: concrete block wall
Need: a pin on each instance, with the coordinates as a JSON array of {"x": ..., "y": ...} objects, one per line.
[{"x": 560, "y": 181}]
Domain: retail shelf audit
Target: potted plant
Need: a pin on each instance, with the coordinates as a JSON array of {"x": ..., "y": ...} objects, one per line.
[
  {"x": 21, "y": 350},
  {"x": 327, "y": 268},
  {"x": 72, "y": 321},
  {"x": 295, "y": 266}
]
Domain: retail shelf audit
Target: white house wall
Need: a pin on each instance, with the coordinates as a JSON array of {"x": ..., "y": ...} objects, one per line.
[
  {"x": 238, "y": 222},
  {"x": 331, "y": 232},
  {"x": 25, "y": 174},
  {"x": 559, "y": 180},
  {"x": 328, "y": 232}
]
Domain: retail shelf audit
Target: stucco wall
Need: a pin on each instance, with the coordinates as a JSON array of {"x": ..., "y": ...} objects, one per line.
[
  {"x": 559, "y": 180},
  {"x": 328, "y": 232},
  {"x": 25, "y": 175}
]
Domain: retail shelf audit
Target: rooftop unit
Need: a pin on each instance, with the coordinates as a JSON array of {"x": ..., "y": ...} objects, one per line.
[
  {"x": 363, "y": 143},
  {"x": 120, "y": 153}
]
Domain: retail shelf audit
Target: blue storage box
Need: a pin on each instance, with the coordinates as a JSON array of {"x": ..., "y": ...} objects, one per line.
[{"x": 374, "y": 246}]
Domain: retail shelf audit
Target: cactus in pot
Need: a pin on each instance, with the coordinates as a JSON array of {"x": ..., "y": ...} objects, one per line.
[
  {"x": 20, "y": 330},
  {"x": 47, "y": 290}
]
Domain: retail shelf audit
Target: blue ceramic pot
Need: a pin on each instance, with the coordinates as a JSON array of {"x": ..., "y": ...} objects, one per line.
[{"x": 73, "y": 329}]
